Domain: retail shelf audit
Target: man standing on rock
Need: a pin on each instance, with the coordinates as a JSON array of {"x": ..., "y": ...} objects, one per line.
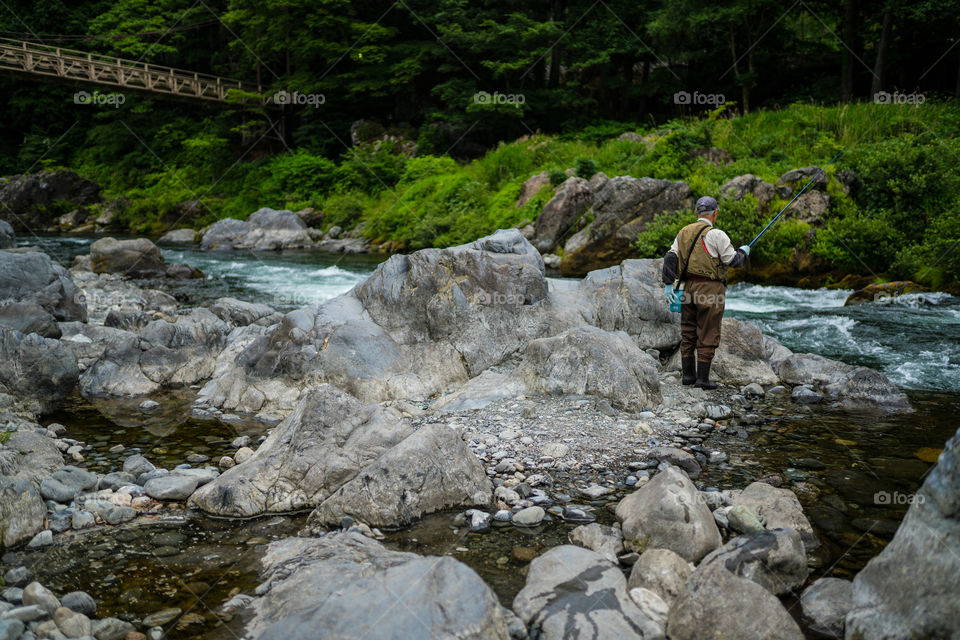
[{"x": 698, "y": 261}]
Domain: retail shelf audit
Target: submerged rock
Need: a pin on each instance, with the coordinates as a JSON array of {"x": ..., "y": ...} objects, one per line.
[
  {"x": 347, "y": 585},
  {"x": 575, "y": 592},
  {"x": 911, "y": 589}
]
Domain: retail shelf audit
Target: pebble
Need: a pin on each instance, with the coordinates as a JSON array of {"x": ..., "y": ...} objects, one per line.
[
  {"x": 596, "y": 491},
  {"x": 240, "y": 442},
  {"x": 555, "y": 450},
  {"x": 743, "y": 520},
  {"x": 508, "y": 434},
  {"x": 524, "y": 555},
  {"x": 578, "y": 515},
  {"x": 81, "y": 602},
  {"x": 16, "y": 576},
  {"x": 42, "y": 539},
  {"x": 242, "y": 455},
  {"x": 162, "y": 617},
  {"x": 82, "y": 519},
  {"x": 148, "y": 405},
  {"x": 529, "y": 517},
  {"x": 503, "y": 515}
]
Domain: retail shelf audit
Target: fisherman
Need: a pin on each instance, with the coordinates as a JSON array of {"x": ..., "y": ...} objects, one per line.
[{"x": 698, "y": 261}]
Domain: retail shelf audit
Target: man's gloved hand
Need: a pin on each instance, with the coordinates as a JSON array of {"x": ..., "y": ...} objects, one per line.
[{"x": 746, "y": 249}]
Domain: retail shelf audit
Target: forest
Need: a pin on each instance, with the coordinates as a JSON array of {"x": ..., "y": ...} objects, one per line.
[{"x": 393, "y": 112}]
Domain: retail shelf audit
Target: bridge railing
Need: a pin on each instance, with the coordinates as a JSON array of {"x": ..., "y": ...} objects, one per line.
[{"x": 29, "y": 57}]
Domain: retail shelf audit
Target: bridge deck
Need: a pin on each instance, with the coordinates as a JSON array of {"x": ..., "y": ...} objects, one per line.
[{"x": 29, "y": 57}]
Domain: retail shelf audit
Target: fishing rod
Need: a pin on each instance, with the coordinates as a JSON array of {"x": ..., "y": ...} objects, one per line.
[{"x": 817, "y": 175}]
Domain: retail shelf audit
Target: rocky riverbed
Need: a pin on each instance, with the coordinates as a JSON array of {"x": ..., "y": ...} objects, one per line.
[{"x": 459, "y": 441}]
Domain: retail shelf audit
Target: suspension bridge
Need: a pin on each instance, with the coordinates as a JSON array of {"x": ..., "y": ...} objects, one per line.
[{"x": 68, "y": 64}]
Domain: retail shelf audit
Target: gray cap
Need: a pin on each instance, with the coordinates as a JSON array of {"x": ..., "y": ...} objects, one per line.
[{"x": 706, "y": 204}]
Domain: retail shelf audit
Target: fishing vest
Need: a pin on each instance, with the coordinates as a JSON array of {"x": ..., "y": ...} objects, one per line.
[{"x": 694, "y": 259}]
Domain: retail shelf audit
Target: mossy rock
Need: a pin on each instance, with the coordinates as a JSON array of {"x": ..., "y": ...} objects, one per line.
[{"x": 875, "y": 292}]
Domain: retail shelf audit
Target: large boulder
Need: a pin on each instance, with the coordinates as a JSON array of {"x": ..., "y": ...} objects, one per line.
[
  {"x": 911, "y": 589},
  {"x": 621, "y": 210},
  {"x": 718, "y": 605},
  {"x": 264, "y": 230},
  {"x": 572, "y": 198},
  {"x": 8, "y": 238},
  {"x": 774, "y": 559},
  {"x": 848, "y": 386},
  {"x": 532, "y": 187},
  {"x": 431, "y": 470},
  {"x": 136, "y": 258},
  {"x": 29, "y": 455},
  {"x": 22, "y": 511},
  {"x": 667, "y": 513},
  {"x": 37, "y": 199},
  {"x": 590, "y": 361},
  {"x": 779, "y": 508},
  {"x": 38, "y": 372},
  {"x": 178, "y": 236},
  {"x": 573, "y": 592},
  {"x": 162, "y": 354},
  {"x": 420, "y": 324},
  {"x": 318, "y": 448},
  {"x": 738, "y": 187},
  {"x": 36, "y": 293},
  {"x": 346, "y": 458},
  {"x": 741, "y": 357},
  {"x": 626, "y": 297},
  {"x": 882, "y": 292},
  {"x": 487, "y": 298},
  {"x": 347, "y": 586}
]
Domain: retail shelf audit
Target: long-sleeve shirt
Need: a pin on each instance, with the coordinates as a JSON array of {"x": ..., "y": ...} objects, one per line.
[{"x": 716, "y": 242}]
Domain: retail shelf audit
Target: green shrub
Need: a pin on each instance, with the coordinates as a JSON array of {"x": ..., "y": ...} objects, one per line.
[
  {"x": 587, "y": 167},
  {"x": 557, "y": 177}
]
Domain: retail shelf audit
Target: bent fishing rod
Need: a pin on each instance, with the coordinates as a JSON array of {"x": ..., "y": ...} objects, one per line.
[{"x": 817, "y": 175}]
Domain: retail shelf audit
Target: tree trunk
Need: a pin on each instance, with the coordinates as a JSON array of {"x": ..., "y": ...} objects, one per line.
[
  {"x": 849, "y": 39},
  {"x": 880, "y": 66},
  {"x": 645, "y": 72},
  {"x": 957, "y": 91}
]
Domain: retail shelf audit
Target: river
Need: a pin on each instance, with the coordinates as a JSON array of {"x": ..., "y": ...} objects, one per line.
[{"x": 196, "y": 563}]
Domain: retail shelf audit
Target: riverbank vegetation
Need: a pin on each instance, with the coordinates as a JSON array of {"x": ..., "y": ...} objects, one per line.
[{"x": 420, "y": 121}]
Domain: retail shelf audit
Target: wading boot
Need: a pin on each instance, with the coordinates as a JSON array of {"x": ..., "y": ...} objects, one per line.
[
  {"x": 703, "y": 376},
  {"x": 689, "y": 370}
]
